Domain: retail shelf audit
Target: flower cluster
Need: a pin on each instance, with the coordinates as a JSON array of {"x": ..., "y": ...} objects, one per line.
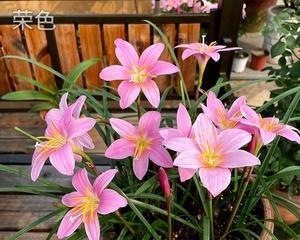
[{"x": 195, "y": 6}]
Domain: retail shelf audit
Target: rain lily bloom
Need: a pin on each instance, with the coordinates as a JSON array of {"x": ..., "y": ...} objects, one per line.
[
  {"x": 137, "y": 72},
  {"x": 268, "y": 127},
  {"x": 184, "y": 130},
  {"x": 220, "y": 116},
  {"x": 87, "y": 202},
  {"x": 164, "y": 182},
  {"x": 214, "y": 154},
  {"x": 60, "y": 142},
  {"x": 142, "y": 142},
  {"x": 203, "y": 53}
]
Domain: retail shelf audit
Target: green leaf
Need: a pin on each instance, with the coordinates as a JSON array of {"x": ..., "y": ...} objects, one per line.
[
  {"x": 42, "y": 106},
  {"x": 288, "y": 171},
  {"x": 77, "y": 71},
  {"x": 36, "y": 223},
  {"x": 146, "y": 185},
  {"x": 206, "y": 227},
  {"x": 295, "y": 70},
  {"x": 35, "y": 83},
  {"x": 26, "y": 95},
  {"x": 277, "y": 49}
]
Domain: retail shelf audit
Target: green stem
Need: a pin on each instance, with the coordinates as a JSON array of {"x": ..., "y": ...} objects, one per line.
[
  {"x": 139, "y": 107},
  {"x": 211, "y": 216},
  {"x": 200, "y": 79},
  {"x": 27, "y": 134},
  {"x": 120, "y": 216},
  {"x": 169, "y": 211},
  {"x": 89, "y": 163}
]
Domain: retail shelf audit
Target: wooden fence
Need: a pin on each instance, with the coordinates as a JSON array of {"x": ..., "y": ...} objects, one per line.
[{"x": 88, "y": 30}]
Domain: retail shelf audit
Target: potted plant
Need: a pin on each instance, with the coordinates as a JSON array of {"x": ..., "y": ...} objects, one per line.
[
  {"x": 173, "y": 178},
  {"x": 259, "y": 59},
  {"x": 240, "y": 61}
]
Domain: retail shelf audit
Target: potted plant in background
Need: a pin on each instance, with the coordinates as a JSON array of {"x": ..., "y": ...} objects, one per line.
[
  {"x": 259, "y": 59},
  {"x": 286, "y": 77},
  {"x": 240, "y": 60}
]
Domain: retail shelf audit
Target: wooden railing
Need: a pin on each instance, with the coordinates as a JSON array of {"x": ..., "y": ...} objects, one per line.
[{"x": 88, "y": 29}]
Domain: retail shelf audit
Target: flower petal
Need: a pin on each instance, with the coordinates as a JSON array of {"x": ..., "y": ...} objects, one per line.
[
  {"x": 140, "y": 166},
  {"x": 250, "y": 115},
  {"x": 81, "y": 181},
  {"x": 92, "y": 227},
  {"x": 110, "y": 201},
  {"x": 123, "y": 128},
  {"x": 77, "y": 106},
  {"x": 63, "y": 104},
  {"x": 114, "y": 72},
  {"x": 103, "y": 180},
  {"x": 53, "y": 115},
  {"x": 188, "y": 159},
  {"x": 86, "y": 141},
  {"x": 184, "y": 122},
  {"x": 181, "y": 144},
  {"x": 168, "y": 133},
  {"x": 235, "y": 109},
  {"x": 289, "y": 133},
  {"x": 150, "y": 121},
  {"x": 126, "y": 53},
  {"x": 266, "y": 136},
  {"x": 186, "y": 173},
  {"x": 151, "y": 91},
  {"x": 214, "y": 55},
  {"x": 68, "y": 224},
  {"x": 120, "y": 149},
  {"x": 239, "y": 158},
  {"x": 162, "y": 68},
  {"x": 160, "y": 156},
  {"x": 38, "y": 160},
  {"x": 72, "y": 199},
  {"x": 215, "y": 180},
  {"x": 128, "y": 92},
  {"x": 189, "y": 52},
  {"x": 80, "y": 126},
  {"x": 63, "y": 160},
  {"x": 151, "y": 54},
  {"x": 233, "y": 139}
]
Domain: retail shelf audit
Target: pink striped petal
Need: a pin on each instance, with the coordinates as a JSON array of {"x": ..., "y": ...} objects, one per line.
[
  {"x": 181, "y": 144},
  {"x": 63, "y": 160},
  {"x": 63, "y": 104},
  {"x": 126, "y": 53},
  {"x": 162, "y": 68},
  {"x": 128, "y": 92},
  {"x": 81, "y": 182},
  {"x": 186, "y": 173},
  {"x": 120, "y": 149},
  {"x": 151, "y": 92},
  {"x": 184, "y": 123},
  {"x": 92, "y": 227},
  {"x": 238, "y": 158},
  {"x": 289, "y": 133},
  {"x": 53, "y": 115},
  {"x": 123, "y": 128},
  {"x": 233, "y": 139},
  {"x": 235, "y": 109},
  {"x": 68, "y": 224},
  {"x": 151, "y": 54},
  {"x": 110, "y": 201},
  {"x": 189, "y": 52},
  {"x": 160, "y": 156},
  {"x": 140, "y": 166},
  {"x": 150, "y": 121},
  {"x": 114, "y": 72},
  {"x": 188, "y": 159},
  {"x": 72, "y": 199},
  {"x": 38, "y": 160},
  {"x": 214, "y": 103},
  {"x": 86, "y": 141},
  {"x": 214, "y": 55},
  {"x": 103, "y": 180},
  {"x": 266, "y": 136},
  {"x": 168, "y": 133},
  {"x": 250, "y": 115},
  {"x": 77, "y": 106},
  {"x": 215, "y": 180},
  {"x": 80, "y": 127}
]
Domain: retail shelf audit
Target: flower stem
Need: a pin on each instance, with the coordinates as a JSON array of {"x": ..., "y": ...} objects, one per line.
[
  {"x": 120, "y": 216},
  {"x": 139, "y": 107},
  {"x": 169, "y": 210},
  {"x": 200, "y": 80},
  {"x": 89, "y": 161},
  {"x": 27, "y": 134},
  {"x": 211, "y": 216}
]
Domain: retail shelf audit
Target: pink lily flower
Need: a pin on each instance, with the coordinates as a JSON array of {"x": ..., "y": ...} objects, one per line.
[
  {"x": 213, "y": 154},
  {"x": 269, "y": 127},
  {"x": 184, "y": 130},
  {"x": 62, "y": 138},
  {"x": 87, "y": 202},
  {"x": 137, "y": 72},
  {"x": 219, "y": 115},
  {"x": 142, "y": 142},
  {"x": 207, "y": 6}
]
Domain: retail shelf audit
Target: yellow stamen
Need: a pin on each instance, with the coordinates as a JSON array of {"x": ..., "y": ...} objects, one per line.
[
  {"x": 139, "y": 75},
  {"x": 267, "y": 125},
  {"x": 142, "y": 143},
  {"x": 210, "y": 157},
  {"x": 224, "y": 121}
]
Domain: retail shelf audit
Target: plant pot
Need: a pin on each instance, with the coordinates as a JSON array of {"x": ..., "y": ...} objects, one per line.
[
  {"x": 286, "y": 215},
  {"x": 240, "y": 61},
  {"x": 268, "y": 214},
  {"x": 259, "y": 59},
  {"x": 272, "y": 38},
  {"x": 256, "y": 14}
]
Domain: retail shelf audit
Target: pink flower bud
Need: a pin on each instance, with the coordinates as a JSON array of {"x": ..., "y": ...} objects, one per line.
[{"x": 164, "y": 182}]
